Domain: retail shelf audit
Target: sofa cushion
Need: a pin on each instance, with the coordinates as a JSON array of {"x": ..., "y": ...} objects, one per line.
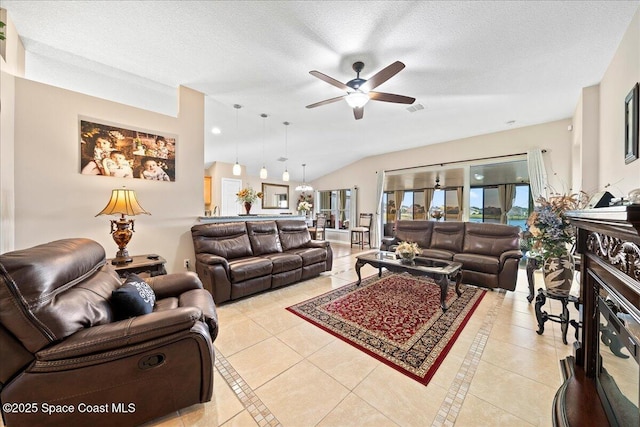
[
  {"x": 264, "y": 238},
  {"x": 247, "y": 268},
  {"x": 283, "y": 262},
  {"x": 490, "y": 239},
  {"x": 134, "y": 298},
  {"x": 481, "y": 263},
  {"x": 293, "y": 234},
  {"x": 448, "y": 236},
  {"x": 311, "y": 255},
  {"x": 228, "y": 240},
  {"x": 437, "y": 253},
  {"x": 418, "y": 231}
]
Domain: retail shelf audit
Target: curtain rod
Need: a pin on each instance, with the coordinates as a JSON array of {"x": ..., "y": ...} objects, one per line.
[{"x": 459, "y": 161}]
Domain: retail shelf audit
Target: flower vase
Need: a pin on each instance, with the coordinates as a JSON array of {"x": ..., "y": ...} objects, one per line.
[
  {"x": 407, "y": 257},
  {"x": 247, "y": 207},
  {"x": 558, "y": 272}
]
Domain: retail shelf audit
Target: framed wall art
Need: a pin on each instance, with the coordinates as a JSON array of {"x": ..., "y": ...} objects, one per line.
[
  {"x": 111, "y": 150},
  {"x": 631, "y": 129}
]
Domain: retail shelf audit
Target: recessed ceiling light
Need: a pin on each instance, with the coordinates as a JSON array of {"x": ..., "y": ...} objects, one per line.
[{"x": 216, "y": 131}]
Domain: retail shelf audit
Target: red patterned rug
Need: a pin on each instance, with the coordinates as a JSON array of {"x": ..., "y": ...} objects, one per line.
[{"x": 397, "y": 319}]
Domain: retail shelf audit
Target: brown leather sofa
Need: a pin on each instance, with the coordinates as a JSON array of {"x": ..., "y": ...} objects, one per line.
[
  {"x": 64, "y": 361},
  {"x": 489, "y": 253},
  {"x": 237, "y": 259}
]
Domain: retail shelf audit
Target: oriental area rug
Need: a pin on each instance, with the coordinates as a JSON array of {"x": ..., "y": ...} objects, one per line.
[{"x": 396, "y": 318}]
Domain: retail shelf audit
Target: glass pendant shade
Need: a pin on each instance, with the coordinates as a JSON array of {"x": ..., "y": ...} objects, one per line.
[
  {"x": 285, "y": 175},
  {"x": 263, "y": 173},
  {"x": 357, "y": 99},
  {"x": 237, "y": 170}
]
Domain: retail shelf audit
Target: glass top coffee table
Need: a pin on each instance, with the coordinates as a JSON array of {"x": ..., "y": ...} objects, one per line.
[{"x": 441, "y": 271}]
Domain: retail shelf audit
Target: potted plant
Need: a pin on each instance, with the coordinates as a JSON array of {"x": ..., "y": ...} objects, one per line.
[{"x": 552, "y": 237}]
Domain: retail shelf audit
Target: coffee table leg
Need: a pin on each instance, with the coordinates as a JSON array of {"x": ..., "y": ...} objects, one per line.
[
  {"x": 358, "y": 267},
  {"x": 458, "y": 279},
  {"x": 443, "y": 281}
]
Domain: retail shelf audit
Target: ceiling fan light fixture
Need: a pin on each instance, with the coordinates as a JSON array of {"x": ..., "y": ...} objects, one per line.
[
  {"x": 357, "y": 99},
  {"x": 437, "y": 186}
]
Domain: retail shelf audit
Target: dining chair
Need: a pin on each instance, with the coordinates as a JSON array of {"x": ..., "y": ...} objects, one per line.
[
  {"x": 318, "y": 230},
  {"x": 364, "y": 227}
]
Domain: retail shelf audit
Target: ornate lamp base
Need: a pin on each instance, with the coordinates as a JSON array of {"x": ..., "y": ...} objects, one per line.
[{"x": 122, "y": 235}]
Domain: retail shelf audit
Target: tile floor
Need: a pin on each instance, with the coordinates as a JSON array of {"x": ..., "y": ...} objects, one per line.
[{"x": 273, "y": 368}]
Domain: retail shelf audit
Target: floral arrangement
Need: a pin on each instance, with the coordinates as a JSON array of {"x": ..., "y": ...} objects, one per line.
[
  {"x": 408, "y": 248},
  {"x": 305, "y": 197},
  {"x": 549, "y": 227},
  {"x": 248, "y": 195},
  {"x": 304, "y": 206}
]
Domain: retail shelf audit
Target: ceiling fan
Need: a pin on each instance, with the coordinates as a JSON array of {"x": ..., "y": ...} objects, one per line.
[{"x": 360, "y": 91}]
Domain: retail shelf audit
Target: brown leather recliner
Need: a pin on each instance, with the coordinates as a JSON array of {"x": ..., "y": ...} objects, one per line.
[{"x": 66, "y": 361}]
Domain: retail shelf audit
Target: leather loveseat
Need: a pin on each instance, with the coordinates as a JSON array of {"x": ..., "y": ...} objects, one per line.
[
  {"x": 489, "y": 253},
  {"x": 66, "y": 361},
  {"x": 237, "y": 259}
]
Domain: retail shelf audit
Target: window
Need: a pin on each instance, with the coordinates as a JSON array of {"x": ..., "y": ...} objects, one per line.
[
  {"x": 485, "y": 205},
  {"x": 336, "y": 205}
]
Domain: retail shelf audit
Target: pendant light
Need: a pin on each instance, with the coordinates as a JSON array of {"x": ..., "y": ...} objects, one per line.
[
  {"x": 237, "y": 170},
  {"x": 263, "y": 171},
  {"x": 304, "y": 186},
  {"x": 285, "y": 174}
]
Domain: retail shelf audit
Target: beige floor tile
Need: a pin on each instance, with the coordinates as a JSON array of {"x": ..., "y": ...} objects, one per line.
[
  {"x": 243, "y": 419},
  {"x": 302, "y": 396},
  {"x": 540, "y": 365},
  {"x": 276, "y": 320},
  {"x": 518, "y": 395},
  {"x": 353, "y": 411},
  {"x": 477, "y": 412},
  {"x": 403, "y": 400},
  {"x": 522, "y": 337},
  {"x": 306, "y": 338},
  {"x": 345, "y": 363},
  {"x": 243, "y": 333},
  {"x": 263, "y": 361},
  {"x": 170, "y": 420},
  {"x": 223, "y": 406}
]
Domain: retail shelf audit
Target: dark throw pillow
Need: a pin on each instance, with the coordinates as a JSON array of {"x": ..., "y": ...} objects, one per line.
[{"x": 134, "y": 298}]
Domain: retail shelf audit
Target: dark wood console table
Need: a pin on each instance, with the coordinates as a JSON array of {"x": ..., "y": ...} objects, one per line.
[
  {"x": 609, "y": 244},
  {"x": 150, "y": 265}
]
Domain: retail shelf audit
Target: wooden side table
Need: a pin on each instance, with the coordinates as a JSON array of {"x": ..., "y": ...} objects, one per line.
[{"x": 150, "y": 265}]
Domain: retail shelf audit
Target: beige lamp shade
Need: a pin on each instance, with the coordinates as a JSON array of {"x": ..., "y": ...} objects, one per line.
[{"x": 123, "y": 201}]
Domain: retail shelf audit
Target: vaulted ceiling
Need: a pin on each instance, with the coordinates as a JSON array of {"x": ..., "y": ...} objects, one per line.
[{"x": 474, "y": 66}]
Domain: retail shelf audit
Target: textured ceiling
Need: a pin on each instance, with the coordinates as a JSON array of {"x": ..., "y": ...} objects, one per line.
[{"x": 474, "y": 66}]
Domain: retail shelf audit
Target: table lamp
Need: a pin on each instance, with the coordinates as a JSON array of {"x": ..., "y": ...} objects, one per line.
[{"x": 123, "y": 202}]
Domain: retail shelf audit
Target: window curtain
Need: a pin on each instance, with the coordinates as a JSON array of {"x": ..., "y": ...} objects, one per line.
[
  {"x": 399, "y": 195},
  {"x": 353, "y": 208},
  {"x": 459, "y": 195},
  {"x": 506, "y": 196},
  {"x": 537, "y": 173},
  {"x": 377, "y": 220},
  {"x": 428, "y": 198}
]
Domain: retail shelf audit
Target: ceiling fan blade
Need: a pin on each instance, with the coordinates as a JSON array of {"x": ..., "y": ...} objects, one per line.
[
  {"x": 390, "y": 97},
  {"x": 326, "y": 101},
  {"x": 358, "y": 112},
  {"x": 382, "y": 76},
  {"x": 330, "y": 80}
]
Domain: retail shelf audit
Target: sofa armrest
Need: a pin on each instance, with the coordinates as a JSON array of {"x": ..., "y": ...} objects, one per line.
[
  {"x": 317, "y": 244},
  {"x": 174, "y": 284},
  {"x": 514, "y": 253},
  {"x": 98, "y": 339},
  {"x": 210, "y": 259}
]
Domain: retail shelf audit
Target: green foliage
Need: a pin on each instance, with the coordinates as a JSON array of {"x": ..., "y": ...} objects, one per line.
[{"x": 2, "y": 25}]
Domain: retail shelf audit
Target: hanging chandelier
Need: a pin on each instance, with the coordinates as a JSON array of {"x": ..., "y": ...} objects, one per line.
[{"x": 304, "y": 186}]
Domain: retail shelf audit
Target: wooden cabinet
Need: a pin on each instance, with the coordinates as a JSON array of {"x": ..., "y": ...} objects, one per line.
[{"x": 207, "y": 190}]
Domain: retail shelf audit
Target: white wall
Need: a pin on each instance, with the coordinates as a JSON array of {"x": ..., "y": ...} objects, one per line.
[
  {"x": 53, "y": 200},
  {"x": 11, "y": 64},
  {"x": 623, "y": 72},
  {"x": 553, "y": 136}
]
